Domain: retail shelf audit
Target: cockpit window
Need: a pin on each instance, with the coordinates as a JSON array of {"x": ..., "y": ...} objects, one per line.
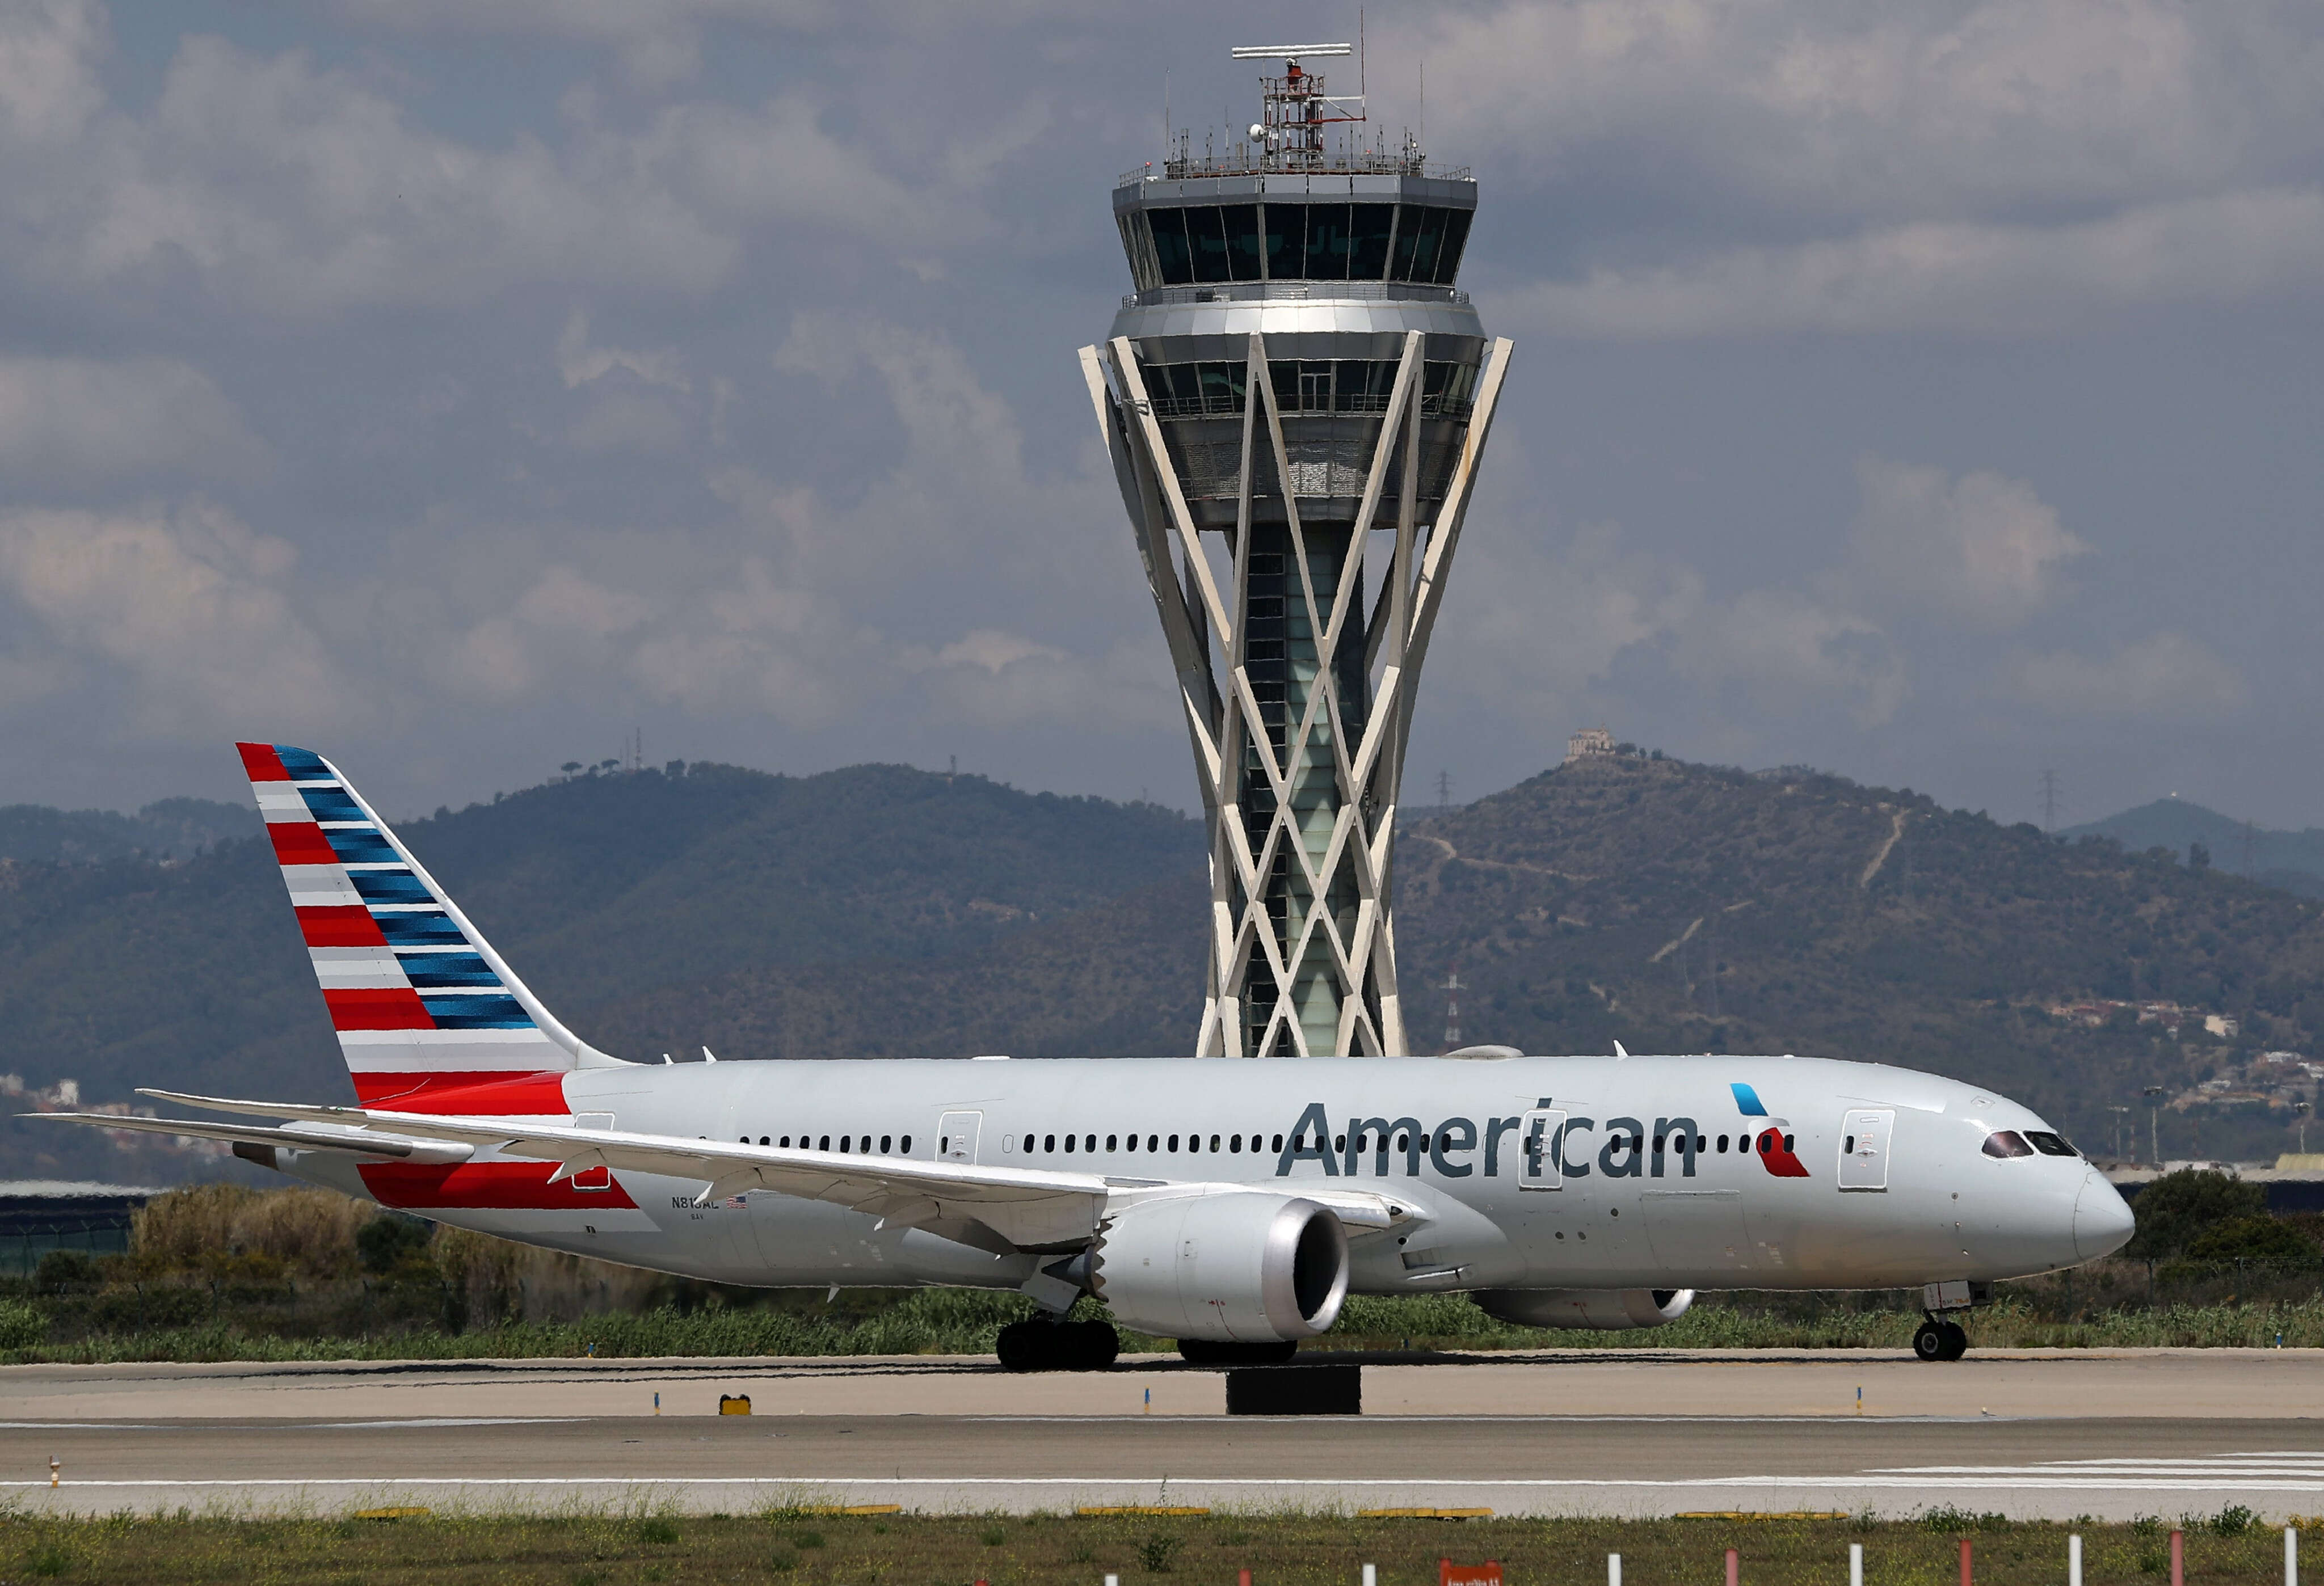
[
  {"x": 2009, "y": 1142},
  {"x": 2051, "y": 1145}
]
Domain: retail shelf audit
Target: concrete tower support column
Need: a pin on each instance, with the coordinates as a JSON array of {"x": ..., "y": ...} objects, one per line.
[{"x": 1297, "y": 690}]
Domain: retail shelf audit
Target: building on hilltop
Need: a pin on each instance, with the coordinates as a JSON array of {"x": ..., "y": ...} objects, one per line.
[{"x": 1590, "y": 744}]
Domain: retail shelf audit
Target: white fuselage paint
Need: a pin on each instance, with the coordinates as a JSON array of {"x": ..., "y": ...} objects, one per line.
[{"x": 1619, "y": 1217}]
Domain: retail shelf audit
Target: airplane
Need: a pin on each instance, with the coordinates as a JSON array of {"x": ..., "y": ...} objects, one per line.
[{"x": 1231, "y": 1207}]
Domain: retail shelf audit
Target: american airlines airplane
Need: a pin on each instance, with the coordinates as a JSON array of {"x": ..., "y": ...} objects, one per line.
[{"x": 1231, "y": 1206}]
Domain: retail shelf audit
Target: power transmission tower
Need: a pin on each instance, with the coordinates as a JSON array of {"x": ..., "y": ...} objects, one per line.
[
  {"x": 1452, "y": 989},
  {"x": 1445, "y": 789},
  {"x": 2049, "y": 802}
]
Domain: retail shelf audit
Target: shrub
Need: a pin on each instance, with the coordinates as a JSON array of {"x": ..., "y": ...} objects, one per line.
[
  {"x": 1156, "y": 1552},
  {"x": 387, "y": 1242},
  {"x": 21, "y": 1326},
  {"x": 658, "y": 1531},
  {"x": 62, "y": 1270},
  {"x": 2179, "y": 1208}
]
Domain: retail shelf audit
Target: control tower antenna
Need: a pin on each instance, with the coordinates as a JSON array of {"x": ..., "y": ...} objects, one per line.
[{"x": 1297, "y": 399}]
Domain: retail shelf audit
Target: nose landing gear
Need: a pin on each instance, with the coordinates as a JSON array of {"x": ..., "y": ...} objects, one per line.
[
  {"x": 1046, "y": 1345},
  {"x": 1940, "y": 1339}
]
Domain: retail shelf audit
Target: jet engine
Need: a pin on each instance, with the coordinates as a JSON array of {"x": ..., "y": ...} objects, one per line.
[
  {"x": 1231, "y": 1266},
  {"x": 1599, "y": 1310}
]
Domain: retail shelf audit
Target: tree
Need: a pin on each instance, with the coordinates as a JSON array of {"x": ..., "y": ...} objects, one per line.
[
  {"x": 571, "y": 767},
  {"x": 2199, "y": 856},
  {"x": 2179, "y": 1208},
  {"x": 2263, "y": 1241}
]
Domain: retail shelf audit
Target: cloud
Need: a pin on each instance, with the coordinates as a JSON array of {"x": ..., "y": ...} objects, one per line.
[
  {"x": 1790, "y": 655},
  {"x": 579, "y": 362},
  {"x": 2165, "y": 676},
  {"x": 1883, "y": 109},
  {"x": 1981, "y": 549},
  {"x": 1984, "y": 277},
  {"x": 189, "y": 607},
  {"x": 77, "y": 420},
  {"x": 48, "y": 78}
]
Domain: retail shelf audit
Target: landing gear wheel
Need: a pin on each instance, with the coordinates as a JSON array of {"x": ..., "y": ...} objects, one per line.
[
  {"x": 1022, "y": 1346},
  {"x": 1210, "y": 1351},
  {"x": 1096, "y": 1344},
  {"x": 1940, "y": 1340}
]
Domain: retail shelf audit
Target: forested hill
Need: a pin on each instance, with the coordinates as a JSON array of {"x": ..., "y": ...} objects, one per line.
[
  {"x": 882, "y": 911},
  {"x": 601, "y": 891},
  {"x": 1684, "y": 907}
]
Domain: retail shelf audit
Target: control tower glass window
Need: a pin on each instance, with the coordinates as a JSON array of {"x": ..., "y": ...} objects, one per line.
[
  {"x": 1170, "y": 252},
  {"x": 1369, "y": 229},
  {"x": 1207, "y": 244}
]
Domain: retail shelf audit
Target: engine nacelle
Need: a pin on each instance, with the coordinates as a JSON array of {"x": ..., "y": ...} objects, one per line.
[
  {"x": 1230, "y": 1265},
  {"x": 1601, "y": 1310}
]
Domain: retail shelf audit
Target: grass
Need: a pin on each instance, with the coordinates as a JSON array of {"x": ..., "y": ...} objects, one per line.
[
  {"x": 1280, "y": 1550},
  {"x": 964, "y": 1321}
]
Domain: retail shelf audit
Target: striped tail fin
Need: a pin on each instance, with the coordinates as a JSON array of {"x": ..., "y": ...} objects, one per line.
[{"x": 429, "y": 1017}]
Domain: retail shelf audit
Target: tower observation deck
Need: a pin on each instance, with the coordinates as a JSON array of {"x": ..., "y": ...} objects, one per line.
[{"x": 1296, "y": 398}]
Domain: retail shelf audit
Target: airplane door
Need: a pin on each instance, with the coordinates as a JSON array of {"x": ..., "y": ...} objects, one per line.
[
  {"x": 1541, "y": 1163},
  {"x": 957, "y": 1135},
  {"x": 1864, "y": 1134}
]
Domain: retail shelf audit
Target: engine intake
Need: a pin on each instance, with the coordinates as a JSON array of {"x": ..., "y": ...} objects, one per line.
[
  {"x": 1599, "y": 1310},
  {"x": 1231, "y": 1266}
]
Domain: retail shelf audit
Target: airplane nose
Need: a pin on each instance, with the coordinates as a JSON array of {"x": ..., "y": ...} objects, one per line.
[{"x": 2102, "y": 1221}]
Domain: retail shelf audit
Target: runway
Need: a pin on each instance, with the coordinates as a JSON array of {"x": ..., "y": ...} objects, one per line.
[{"x": 2034, "y": 1436}]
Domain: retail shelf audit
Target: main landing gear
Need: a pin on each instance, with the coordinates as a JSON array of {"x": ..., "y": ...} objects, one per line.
[
  {"x": 1043, "y": 1344},
  {"x": 1939, "y": 1340}
]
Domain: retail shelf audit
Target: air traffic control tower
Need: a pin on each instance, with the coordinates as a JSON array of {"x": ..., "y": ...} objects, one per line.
[{"x": 1296, "y": 398}]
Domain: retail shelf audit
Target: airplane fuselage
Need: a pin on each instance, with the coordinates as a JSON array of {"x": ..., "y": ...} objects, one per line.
[{"x": 1583, "y": 1172}]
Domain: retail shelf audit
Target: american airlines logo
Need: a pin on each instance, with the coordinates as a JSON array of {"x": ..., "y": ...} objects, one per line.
[{"x": 1530, "y": 1145}]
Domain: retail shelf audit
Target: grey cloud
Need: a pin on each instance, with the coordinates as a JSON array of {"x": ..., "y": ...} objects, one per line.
[
  {"x": 1980, "y": 549},
  {"x": 2165, "y": 676},
  {"x": 74, "y": 421}
]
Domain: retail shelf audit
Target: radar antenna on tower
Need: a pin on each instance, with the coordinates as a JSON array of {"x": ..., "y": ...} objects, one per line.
[{"x": 1294, "y": 108}]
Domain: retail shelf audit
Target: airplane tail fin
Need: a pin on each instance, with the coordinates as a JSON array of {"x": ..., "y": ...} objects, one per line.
[{"x": 429, "y": 1017}]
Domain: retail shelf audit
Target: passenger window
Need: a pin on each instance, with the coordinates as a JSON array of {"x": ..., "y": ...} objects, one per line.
[
  {"x": 1089, "y": 1143},
  {"x": 2006, "y": 1142},
  {"x": 1069, "y": 1145},
  {"x": 787, "y": 1142},
  {"x": 843, "y": 1143},
  {"x": 1234, "y": 1143},
  {"x": 1174, "y": 1142},
  {"x": 1848, "y": 1145},
  {"x": 1699, "y": 1143},
  {"x": 1153, "y": 1142},
  {"x": 1278, "y": 1144},
  {"x": 1110, "y": 1142},
  {"x": 1787, "y": 1142},
  {"x": 762, "y": 1139},
  {"x": 1721, "y": 1145},
  {"x": 1007, "y": 1145},
  {"x": 1049, "y": 1142},
  {"x": 1214, "y": 1142},
  {"x": 907, "y": 1144},
  {"x": 826, "y": 1144},
  {"x": 883, "y": 1144},
  {"x": 1339, "y": 1143}
]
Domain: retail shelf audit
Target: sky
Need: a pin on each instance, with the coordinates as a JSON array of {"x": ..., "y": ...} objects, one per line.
[{"x": 1926, "y": 392}]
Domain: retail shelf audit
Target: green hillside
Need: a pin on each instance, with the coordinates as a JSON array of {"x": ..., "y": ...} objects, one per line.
[
  {"x": 2293, "y": 861},
  {"x": 597, "y": 890},
  {"x": 883, "y": 911},
  {"x": 1688, "y": 908},
  {"x": 170, "y": 828}
]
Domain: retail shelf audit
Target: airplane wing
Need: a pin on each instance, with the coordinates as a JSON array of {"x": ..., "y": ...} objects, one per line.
[{"x": 1026, "y": 1208}]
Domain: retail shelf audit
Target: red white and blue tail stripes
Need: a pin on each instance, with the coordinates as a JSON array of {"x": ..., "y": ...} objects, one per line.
[{"x": 426, "y": 1011}]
